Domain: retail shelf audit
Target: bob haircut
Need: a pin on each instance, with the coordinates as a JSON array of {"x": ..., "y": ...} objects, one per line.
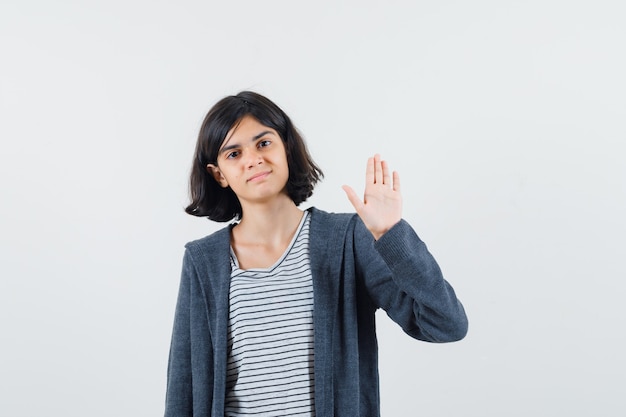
[{"x": 208, "y": 197}]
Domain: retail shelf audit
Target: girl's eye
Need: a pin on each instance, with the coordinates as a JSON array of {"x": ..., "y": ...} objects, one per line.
[
  {"x": 264, "y": 143},
  {"x": 232, "y": 154}
]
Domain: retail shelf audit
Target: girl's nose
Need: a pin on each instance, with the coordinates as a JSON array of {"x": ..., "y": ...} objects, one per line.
[{"x": 254, "y": 159}]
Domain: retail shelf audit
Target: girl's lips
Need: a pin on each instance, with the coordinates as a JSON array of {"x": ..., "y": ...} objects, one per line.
[{"x": 259, "y": 176}]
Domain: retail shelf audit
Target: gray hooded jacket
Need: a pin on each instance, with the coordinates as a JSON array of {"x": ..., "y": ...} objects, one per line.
[{"x": 353, "y": 276}]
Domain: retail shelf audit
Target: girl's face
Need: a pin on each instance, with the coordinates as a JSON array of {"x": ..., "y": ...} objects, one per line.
[{"x": 252, "y": 161}]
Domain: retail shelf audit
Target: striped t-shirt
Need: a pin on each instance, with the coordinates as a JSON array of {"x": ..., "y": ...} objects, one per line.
[{"x": 270, "y": 335}]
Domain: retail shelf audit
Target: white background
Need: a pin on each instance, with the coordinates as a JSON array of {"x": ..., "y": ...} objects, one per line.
[{"x": 506, "y": 121}]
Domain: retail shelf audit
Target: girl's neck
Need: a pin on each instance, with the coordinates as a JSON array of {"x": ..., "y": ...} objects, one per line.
[{"x": 270, "y": 224}]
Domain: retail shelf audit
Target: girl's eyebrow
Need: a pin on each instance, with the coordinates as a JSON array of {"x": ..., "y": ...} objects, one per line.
[{"x": 236, "y": 145}]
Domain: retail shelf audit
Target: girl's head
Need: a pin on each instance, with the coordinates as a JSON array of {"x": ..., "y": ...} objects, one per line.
[{"x": 208, "y": 197}]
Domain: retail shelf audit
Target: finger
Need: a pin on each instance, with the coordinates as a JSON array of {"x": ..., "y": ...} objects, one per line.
[
  {"x": 369, "y": 172},
  {"x": 396, "y": 181},
  {"x": 378, "y": 170},
  {"x": 386, "y": 175},
  {"x": 354, "y": 199}
]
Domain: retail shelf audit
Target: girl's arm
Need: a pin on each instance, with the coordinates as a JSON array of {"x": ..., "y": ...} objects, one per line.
[
  {"x": 178, "y": 399},
  {"x": 403, "y": 278},
  {"x": 399, "y": 273}
]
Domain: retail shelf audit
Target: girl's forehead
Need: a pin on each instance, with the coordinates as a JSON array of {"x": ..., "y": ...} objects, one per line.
[{"x": 246, "y": 128}]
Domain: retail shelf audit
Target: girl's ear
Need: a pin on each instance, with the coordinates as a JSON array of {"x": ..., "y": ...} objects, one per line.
[{"x": 217, "y": 174}]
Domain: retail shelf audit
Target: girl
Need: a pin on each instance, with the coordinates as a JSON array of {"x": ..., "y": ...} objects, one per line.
[{"x": 276, "y": 312}]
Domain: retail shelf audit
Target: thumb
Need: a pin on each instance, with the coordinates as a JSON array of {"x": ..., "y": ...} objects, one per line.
[{"x": 354, "y": 199}]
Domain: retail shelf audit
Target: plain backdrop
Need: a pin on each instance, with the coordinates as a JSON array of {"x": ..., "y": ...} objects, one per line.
[{"x": 506, "y": 121}]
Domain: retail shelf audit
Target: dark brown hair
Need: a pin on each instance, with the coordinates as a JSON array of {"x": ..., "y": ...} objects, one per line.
[{"x": 208, "y": 198}]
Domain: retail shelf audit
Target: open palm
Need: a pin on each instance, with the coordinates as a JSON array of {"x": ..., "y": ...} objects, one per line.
[{"x": 381, "y": 207}]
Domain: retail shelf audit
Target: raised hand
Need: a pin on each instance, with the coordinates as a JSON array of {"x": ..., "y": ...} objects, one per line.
[{"x": 381, "y": 207}]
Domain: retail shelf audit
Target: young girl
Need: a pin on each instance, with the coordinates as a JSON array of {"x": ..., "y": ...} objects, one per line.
[{"x": 276, "y": 312}]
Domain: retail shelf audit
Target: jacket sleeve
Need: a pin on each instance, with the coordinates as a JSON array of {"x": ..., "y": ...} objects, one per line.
[
  {"x": 179, "y": 398},
  {"x": 403, "y": 278}
]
